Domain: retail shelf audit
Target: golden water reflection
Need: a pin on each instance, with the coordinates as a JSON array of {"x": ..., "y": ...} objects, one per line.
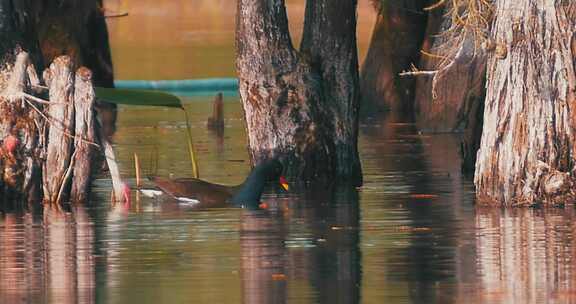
[{"x": 180, "y": 39}]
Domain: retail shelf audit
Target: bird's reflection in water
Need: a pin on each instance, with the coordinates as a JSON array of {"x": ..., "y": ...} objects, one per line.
[
  {"x": 304, "y": 246},
  {"x": 49, "y": 251}
]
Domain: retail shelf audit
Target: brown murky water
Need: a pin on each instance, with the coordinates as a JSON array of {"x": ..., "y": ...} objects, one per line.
[{"x": 411, "y": 234}]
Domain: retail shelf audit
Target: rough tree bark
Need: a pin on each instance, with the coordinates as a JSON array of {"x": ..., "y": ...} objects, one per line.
[
  {"x": 19, "y": 168},
  {"x": 283, "y": 91},
  {"x": 528, "y": 149},
  {"x": 454, "y": 100},
  {"x": 329, "y": 40},
  {"x": 60, "y": 80},
  {"x": 395, "y": 44},
  {"x": 85, "y": 125},
  {"x": 37, "y": 151}
]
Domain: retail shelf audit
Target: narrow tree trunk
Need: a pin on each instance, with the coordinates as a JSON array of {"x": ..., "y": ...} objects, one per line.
[
  {"x": 85, "y": 138},
  {"x": 286, "y": 113},
  {"x": 60, "y": 80},
  {"x": 528, "y": 147},
  {"x": 394, "y": 46}
]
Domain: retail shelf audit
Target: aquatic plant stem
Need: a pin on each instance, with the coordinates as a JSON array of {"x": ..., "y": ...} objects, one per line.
[{"x": 191, "y": 150}]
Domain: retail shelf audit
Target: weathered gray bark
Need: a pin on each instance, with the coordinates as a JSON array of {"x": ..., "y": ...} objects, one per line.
[
  {"x": 60, "y": 80},
  {"x": 84, "y": 147},
  {"x": 528, "y": 149},
  {"x": 394, "y": 46},
  {"x": 282, "y": 91}
]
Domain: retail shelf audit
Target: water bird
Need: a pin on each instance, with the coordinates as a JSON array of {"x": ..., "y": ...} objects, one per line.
[{"x": 203, "y": 194}]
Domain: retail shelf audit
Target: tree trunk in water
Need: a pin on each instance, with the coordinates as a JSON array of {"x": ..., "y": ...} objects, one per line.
[
  {"x": 528, "y": 147},
  {"x": 394, "y": 46},
  {"x": 287, "y": 114},
  {"x": 37, "y": 140},
  {"x": 329, "y": 39},
  {"x": 19, "y": 132},
  {"x": 60, "y": 80},
  {"x": 85, "y": 125},
  {"x": 452, "y": 101},
  {"x": 18, "y": 123}
]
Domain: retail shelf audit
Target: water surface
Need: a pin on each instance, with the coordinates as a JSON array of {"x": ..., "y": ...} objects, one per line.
[{"x": 411, "y": 234}]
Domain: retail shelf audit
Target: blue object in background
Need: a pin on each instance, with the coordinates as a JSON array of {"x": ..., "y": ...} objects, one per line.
[{"x": 185, "y": 87}]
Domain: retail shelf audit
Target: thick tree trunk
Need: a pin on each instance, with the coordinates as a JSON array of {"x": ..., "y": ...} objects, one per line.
[
  {"x": 19, "y": 126},
  {"x": 528, "y": 147},
  {"x": 452, "y": 101},
  {"x": 286, "y": 113},
  {"x": 329, "y": 39},
  {"x": 18, "y": 123},
  {"x": 394, "y": 46}
]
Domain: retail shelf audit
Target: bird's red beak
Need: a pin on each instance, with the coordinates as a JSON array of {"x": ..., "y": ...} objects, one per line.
[{"x": 283, "y": 183}]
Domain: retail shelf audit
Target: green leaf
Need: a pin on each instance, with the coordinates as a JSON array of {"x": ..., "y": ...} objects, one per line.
[{"x": 138, "y": 97}]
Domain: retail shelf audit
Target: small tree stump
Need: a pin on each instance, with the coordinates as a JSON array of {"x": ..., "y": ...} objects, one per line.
[
  {"x": 84, "y": 149},
  {"x": 216, "y": 122},
  {"x": 61, "y": 128}
]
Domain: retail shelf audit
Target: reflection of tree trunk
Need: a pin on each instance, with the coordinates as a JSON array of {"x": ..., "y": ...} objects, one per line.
[
  {"x": 395, "y": 44},
  {"x": 60, "y": 251},
  {"x": 262, "y": 258},
  {"x": 301, "y": 106},
  {"x": 69, "y": 260},
  {"x": 85, "y": 272},
  {"x": 528, "y": 149},
  {"x": 422, "y": 164},
  {"x": 334, "y": 266},
  {"x": 54, "y": 254},
  {"x": 524, "y": 255}
]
